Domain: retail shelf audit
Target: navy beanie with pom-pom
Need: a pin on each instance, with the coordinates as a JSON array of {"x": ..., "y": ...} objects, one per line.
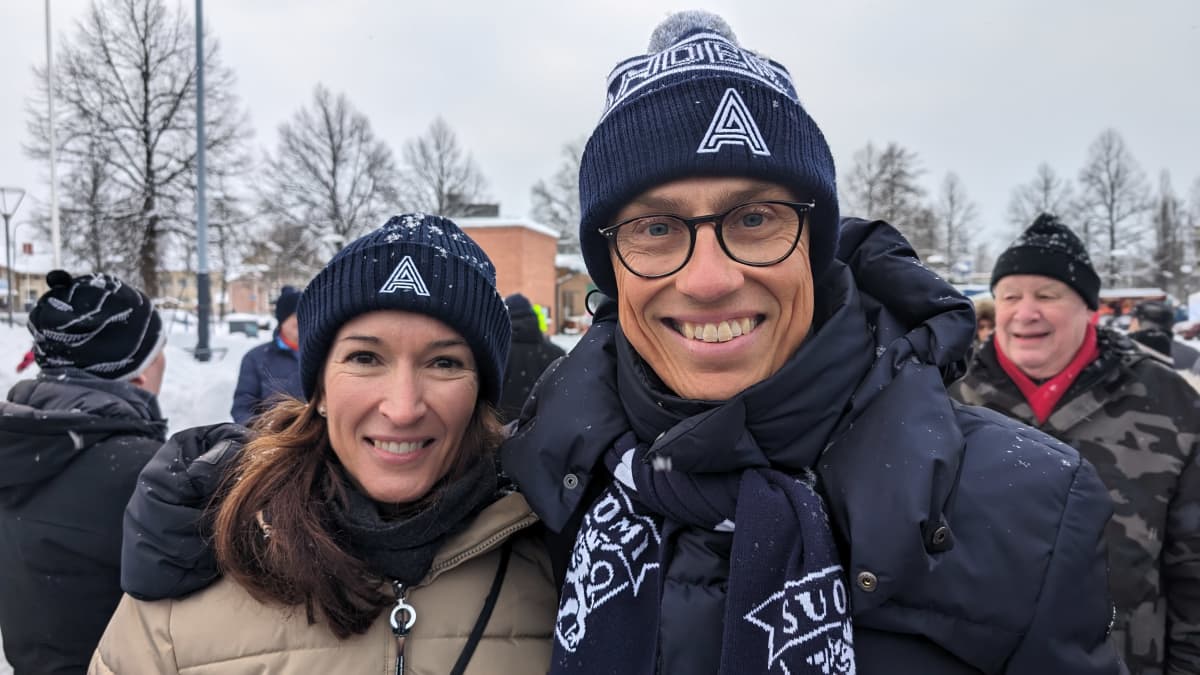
[
  {"x": 698, "y": 104},
  {"x": 414, "y": 263},
  {"x": 1048, "y": 248}
]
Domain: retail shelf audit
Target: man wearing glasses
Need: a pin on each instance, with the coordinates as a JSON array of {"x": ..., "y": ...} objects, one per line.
[{"x": 750, "y": 463}]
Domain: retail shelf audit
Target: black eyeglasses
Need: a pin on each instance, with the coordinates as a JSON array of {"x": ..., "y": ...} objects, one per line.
[{"x": 759, "y": 234}]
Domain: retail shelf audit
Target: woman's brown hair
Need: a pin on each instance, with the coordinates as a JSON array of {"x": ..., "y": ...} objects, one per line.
[{"x": 272, "y": 530}]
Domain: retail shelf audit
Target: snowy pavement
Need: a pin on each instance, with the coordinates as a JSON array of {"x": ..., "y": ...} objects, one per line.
[{"x": 193, "y": 393}]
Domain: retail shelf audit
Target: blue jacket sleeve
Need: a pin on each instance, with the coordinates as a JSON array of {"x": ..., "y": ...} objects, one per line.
[
  {"x": 1068, "y": 634},
  {"x": 248, "y": 393}
]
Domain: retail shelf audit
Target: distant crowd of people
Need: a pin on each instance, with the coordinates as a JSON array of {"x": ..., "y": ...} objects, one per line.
[{"x": 783, "y": 445}]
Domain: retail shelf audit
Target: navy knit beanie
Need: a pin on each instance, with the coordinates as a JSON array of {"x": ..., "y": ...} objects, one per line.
[
  {"x": 415, "y": 263},
  {"x": 285, "y": 306},
  {"x": 697, "y": 104},
  {"x": 1050, "y": 249},
  {"x": 97, "y": 323}
]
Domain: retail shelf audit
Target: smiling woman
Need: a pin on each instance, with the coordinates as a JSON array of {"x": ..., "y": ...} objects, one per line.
[
  {"x": 375, "y": 506},
  {"x": 400, "y": 390}
]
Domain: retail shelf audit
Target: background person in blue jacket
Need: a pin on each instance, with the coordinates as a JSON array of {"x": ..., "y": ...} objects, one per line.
[
  {"x": 271, "y": 368},
  {"x": 750, "y": 459}
]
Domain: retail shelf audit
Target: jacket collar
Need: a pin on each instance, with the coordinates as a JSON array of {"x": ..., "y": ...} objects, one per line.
[{"x": 489, "y": 529}]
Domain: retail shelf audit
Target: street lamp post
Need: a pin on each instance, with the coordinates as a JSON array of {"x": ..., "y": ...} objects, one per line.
[{"x": 15, "y": 195}]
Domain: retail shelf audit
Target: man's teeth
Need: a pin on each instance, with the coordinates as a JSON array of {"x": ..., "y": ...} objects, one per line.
[
  {"x": 398, "y": 448},
  {"x": 717, "y": 332}
]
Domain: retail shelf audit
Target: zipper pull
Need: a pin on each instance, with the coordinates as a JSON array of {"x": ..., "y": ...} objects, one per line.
[{"x": 402, "y": 619}]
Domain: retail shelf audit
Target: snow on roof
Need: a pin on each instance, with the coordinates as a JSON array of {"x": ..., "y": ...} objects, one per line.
[
  {"x": 505, "y": 222},
  {"x": 1133, "y": 292},
  {"x": 40, "y": 262},
  {"x": 571, "y": 261}
]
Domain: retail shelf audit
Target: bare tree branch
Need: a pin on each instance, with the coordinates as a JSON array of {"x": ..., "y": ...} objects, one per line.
[
  {"x": 438, "y": 175},
  {"x": 127, "y": 123},
  {"x": 556, "y": 203}
]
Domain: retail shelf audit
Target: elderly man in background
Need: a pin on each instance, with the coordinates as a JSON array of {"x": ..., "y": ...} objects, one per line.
[
  {"x": 1126, "y": 412},
  {"x": 72, "y": 443}
]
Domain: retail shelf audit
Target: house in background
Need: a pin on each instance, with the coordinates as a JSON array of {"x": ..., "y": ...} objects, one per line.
[
  {"x": 524, "y": 254},
  {"x": 32, "y": 260},
  {"x": 573, "y": 284}
]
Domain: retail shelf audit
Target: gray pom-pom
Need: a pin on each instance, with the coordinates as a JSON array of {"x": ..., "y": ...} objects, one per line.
[{"x": 679, "y": 24}]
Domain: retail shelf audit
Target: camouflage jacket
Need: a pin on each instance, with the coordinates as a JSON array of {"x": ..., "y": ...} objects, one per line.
[{"x": 1138, "y": 422}]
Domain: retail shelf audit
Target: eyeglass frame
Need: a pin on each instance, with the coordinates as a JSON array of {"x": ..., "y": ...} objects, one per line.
[{"x": 802, "y": 210}]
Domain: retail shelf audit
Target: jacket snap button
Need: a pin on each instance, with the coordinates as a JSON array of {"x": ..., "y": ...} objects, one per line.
[
  {"x": 940, "y": 534},
  {"x": 570, "y": 481},
  {"x": 867, "y": 581}
]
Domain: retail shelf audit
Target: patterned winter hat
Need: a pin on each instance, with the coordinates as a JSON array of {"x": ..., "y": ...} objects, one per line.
[
  {"x": 96, "y": 323},
  {"x": 415, "y": 263},
  {"x": 698, "y": 104},
  {"x": 1050, "y": 249}
]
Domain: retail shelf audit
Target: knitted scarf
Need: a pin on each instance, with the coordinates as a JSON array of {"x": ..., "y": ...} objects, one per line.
[
  {"x": 402, "y": 549},
  {"x": 739, "y": 466}
]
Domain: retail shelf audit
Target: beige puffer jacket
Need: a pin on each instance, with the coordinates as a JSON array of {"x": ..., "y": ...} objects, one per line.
[{"x": 223, "y": 630}]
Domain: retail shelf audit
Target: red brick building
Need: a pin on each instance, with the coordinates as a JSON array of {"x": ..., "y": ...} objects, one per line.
[{"x": 523, "y": 252}]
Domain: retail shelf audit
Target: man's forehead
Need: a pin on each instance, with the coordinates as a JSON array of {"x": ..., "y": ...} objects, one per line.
[
  {"x": 693, "y": 192},
  {"x": 1030, "y": 282}
]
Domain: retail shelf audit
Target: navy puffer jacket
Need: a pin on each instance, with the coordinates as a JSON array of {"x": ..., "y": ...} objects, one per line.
[
  {"x": 268, "y": 371},
  {"x": 972, "y": 543}
]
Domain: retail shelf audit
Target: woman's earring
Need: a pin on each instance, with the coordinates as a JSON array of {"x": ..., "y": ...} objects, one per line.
[{"x": 321, "y": 410}]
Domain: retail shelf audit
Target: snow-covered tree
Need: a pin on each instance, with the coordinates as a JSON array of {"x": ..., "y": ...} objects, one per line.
[
  {"x": 438, "y": 175},
  {"x": 125, "y": 83},
  {"x": 1047, "y": 192},
  {"x": 329, "y": 177},
  {"x": 556, "y": 200},
  {"x": 1113, "y": 203}
]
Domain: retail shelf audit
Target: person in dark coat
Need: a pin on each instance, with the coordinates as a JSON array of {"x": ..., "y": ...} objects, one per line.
[
  {"x": 272, "y": 369},
  {"x": 1152, "y": 327},
  {"x": 72, "y": 443},
  {"x": 1128, "y": 413},
  {"x": 530, "y": 354},
  {"x": 750, "y": 462}
]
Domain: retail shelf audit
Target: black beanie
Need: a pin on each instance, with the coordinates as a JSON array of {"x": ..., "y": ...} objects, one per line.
[
  {"x": 698, "y": 104},
  {"x": 285, "y": 306},
  {"x": 415, "y": 263},
  {"x": 96, "y": 323},
  {"x": 1050, "y": 249},
  {"x": 518, "y": 305}
]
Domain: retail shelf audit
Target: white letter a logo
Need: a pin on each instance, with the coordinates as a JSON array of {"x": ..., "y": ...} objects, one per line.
[
  {"x": 732, "y": 124},
  {"x": 406, "y": 277}
]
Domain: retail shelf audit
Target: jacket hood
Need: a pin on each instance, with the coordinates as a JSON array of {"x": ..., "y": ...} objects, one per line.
[
  {"x": 525, "y": 327},
  {"x": 924, "y": 317},
  {"x": 49, "y": 421}
]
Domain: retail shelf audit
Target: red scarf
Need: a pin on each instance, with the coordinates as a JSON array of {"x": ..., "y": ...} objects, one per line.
[{"x": 1043, "y": 397}]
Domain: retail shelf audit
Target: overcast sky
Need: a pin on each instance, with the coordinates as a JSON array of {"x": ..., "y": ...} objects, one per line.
[{"x": 985, "y": 89}]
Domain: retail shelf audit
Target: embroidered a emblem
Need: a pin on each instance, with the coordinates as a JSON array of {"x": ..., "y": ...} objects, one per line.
[
  {"x": 733, "y": 124},
  {"x": 405, "y": 277}
]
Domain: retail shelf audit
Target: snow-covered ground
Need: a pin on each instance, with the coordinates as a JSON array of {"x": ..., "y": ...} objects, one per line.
[{"x": 193, "y": 393}]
